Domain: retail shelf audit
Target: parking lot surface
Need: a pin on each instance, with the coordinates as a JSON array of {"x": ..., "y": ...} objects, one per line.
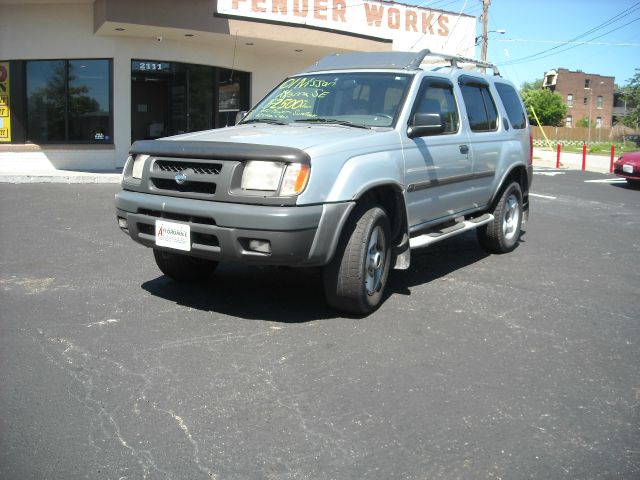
[{"x": 523, "y": 365}]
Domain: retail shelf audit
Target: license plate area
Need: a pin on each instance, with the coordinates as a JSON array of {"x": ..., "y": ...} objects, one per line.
[
  {"x": 173, "y": 235},
  {"x": 627, "y": 168}
]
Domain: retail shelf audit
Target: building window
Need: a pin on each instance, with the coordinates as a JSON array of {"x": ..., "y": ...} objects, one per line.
[
  {"x": 570, "y": 100},
  {"x": 585, "y": 100},
  {"x": 599, "y": 101},
  {"x": 69, "y": 101},
  {"x": 598, "y": 122},
  {"x": 569, "y": 121},
  {"x": 587, "y": 83}
]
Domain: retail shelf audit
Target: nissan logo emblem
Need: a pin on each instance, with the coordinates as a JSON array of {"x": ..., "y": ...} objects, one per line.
[{"x": 180, "y": 178}]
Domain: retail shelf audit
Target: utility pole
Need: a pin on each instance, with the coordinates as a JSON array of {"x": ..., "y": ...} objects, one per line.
[{"x": 485, "y": 21}]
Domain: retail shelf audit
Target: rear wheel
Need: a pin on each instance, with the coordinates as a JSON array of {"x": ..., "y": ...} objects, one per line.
[
  {"x": 183, "y": 268},
  {"x": 355, "y": 280},
  {"x": 501, "y": 235}
]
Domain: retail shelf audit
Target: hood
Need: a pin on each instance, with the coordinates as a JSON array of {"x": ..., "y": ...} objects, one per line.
[{"x": 302, "y": 137}]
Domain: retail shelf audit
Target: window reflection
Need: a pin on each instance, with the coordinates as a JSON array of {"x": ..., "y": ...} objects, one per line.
[
  {"x": 88, "y": 100},
  {"x": 68, "y": 100},
  {"x": 46, "y": 98}
]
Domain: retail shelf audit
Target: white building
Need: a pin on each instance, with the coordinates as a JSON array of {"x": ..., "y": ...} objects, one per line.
[{"x": 80, "y": 80}]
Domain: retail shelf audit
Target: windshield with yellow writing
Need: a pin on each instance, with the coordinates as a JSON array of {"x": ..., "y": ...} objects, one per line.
[{"x": 357, "y": 99}]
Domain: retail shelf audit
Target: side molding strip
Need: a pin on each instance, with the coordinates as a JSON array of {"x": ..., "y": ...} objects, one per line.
[{"x": 414, "y": 187}]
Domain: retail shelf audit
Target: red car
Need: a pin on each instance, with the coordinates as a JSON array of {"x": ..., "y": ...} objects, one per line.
[{"x": 628, "y": 166}]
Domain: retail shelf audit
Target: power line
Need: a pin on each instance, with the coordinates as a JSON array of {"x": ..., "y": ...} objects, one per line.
[
  {"x": 510, "y": 40},
  {"x": 454, "y": 26},
  {"x": 606, "y": 23},
  {"x": 541, "y": 55}
]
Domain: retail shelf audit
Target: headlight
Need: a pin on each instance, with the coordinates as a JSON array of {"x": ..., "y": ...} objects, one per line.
[
  {"x": 268, "y": 176},
  {"x": 138, "y": 166},
  {"x": 259, "y": 175}
]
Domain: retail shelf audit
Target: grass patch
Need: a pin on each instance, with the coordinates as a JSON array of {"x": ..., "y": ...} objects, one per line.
[{"x": 596, "y": 148}]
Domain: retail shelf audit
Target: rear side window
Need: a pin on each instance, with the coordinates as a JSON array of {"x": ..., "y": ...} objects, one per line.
[
  {"x": 512, "y": 105},
  {"x": 481, "y": 109}
]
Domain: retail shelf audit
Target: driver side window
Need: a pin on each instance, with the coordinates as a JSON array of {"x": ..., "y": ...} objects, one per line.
[{"x": 437, "y": 97}]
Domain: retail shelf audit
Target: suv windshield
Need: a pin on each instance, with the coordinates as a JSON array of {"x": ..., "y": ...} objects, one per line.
[{"x": 355, "y": 99}]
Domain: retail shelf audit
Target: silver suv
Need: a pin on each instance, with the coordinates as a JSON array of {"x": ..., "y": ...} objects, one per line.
[{"x": 347, "y": 166}]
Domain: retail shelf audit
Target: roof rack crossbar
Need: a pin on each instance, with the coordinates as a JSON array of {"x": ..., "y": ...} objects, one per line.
[
  {"x": 454, "y": 59},
  {"x": 392, "y": 60}
]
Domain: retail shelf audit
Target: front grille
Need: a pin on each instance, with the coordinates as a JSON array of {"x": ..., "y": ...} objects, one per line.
[
  {"x": 199, "y": 168},
  {"x": 205, "y": 239},
  {"x": 171, "y": 185},
  {"x": 177, "y": 216}
]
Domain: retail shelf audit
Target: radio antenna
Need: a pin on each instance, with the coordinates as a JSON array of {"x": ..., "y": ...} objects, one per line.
[{"x": 233, "y": 62}]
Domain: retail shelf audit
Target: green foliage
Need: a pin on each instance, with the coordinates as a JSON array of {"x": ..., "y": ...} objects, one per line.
[
  {"x": 535, "y": 85},
  {"x": 596, "y": 148},
  {"x": 548, "y": 105},
  {"x": 583, "y": 122},
  {"x": 631, "y": 95}
]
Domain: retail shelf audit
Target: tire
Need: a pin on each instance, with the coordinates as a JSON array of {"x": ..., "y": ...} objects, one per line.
[
  {"x": 356, "y": 278},
  {"x": 502, "y": 234},
  {"x": 183, "y": 268}
]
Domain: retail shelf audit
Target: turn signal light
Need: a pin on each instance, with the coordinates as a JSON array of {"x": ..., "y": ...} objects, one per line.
[{"x": 295, "y": 179}]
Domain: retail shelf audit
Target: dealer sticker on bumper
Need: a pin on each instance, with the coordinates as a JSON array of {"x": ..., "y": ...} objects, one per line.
[
  {"x": 627, "y": 168},
  {"x": 173, "y": 235}
]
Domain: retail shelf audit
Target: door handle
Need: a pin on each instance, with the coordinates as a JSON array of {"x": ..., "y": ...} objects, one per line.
[{"x": 464, "y": 149}]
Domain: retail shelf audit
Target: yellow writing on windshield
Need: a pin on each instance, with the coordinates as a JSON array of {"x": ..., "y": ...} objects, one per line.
[{"x": 297, "y": 97}]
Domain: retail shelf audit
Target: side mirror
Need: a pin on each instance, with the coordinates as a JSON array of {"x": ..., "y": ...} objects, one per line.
[
  {"x": 424, "y": 124},
  {"x": 240, "y": 115}
]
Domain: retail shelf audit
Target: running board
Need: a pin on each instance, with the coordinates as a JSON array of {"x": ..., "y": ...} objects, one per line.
[{"x": 460, "y": 227}]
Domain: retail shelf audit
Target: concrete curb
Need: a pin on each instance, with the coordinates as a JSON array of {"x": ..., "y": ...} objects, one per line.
[{"x": 61, "y": 177}]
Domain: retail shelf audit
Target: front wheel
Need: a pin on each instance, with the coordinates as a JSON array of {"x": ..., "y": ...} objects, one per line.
[
  {"x": 355, "y": 279},
  {"x": 502, "y": 234},
  {"x": 183, "y": 268}
]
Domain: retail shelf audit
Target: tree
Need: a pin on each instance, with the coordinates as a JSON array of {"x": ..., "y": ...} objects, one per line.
[
  {"x": 535, "y": 85},
  {"x": 631, "y": 96},
  {"x": 549, "y": 107},
  {"x": 583, "y": 122}
]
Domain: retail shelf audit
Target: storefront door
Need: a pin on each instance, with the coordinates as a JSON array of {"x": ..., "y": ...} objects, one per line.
[
  {"x": 174, "y": 98},
  {"x": 149, "y": 107}
]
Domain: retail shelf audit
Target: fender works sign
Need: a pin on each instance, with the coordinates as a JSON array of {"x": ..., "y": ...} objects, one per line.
[{"x": 407, "y": 26}]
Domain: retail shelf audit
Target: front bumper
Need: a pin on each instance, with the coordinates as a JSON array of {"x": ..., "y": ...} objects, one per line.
[
  {"x": 298, "y": 235},
  {"x": 618, "y": 171}
]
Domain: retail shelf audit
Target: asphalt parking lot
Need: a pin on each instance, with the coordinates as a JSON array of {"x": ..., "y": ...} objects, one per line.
[{"x": 523, "y": 365}]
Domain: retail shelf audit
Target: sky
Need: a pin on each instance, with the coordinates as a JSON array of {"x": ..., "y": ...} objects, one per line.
[{"x": 605, "y": 35}]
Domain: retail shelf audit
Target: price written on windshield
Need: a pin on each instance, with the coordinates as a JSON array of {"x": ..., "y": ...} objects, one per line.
[{"x": 299, "y": 94}]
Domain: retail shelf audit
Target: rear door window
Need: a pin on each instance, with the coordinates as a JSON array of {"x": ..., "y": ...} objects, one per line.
[{"x": 481, "y": 109}]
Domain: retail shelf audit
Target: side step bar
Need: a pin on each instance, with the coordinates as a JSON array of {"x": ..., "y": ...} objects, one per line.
[{"x": 460, "y": 227}]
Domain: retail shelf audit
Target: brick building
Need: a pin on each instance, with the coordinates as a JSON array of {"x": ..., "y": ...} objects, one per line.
[{"x": 586, "y": 95}]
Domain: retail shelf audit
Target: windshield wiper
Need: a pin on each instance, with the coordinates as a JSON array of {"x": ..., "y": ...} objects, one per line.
[
  {"x": 273, "y": 121},
  {"x": 332, "y": 121}
]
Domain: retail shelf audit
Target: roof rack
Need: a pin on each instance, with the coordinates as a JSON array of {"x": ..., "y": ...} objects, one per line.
[
  {"x": 455, "y": 59},
  {"x": 392, "y": 60}
]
